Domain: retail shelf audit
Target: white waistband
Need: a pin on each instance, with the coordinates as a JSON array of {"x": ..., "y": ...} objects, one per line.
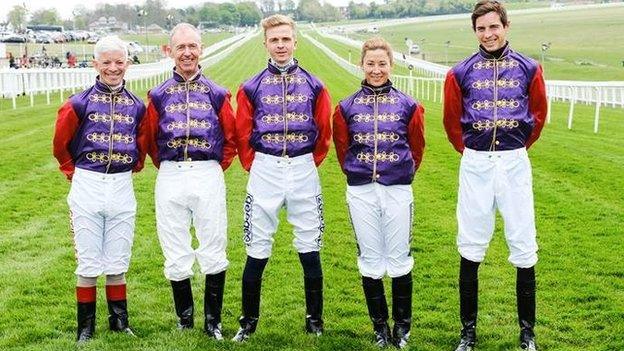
[
  {"x": 286, "y": 160},
  {"x": 491, "y": 154},
  {"x": 98, "y": 175},
  {"x": 207, "y": 164}
]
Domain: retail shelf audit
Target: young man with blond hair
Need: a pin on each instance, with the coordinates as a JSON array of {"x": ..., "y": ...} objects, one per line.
[{"x": 283, "y": 134}]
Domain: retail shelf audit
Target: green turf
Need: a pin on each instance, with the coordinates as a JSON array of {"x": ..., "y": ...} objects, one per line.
[
  {"x": 585, "y": 44},
  {"x": 578, "y": 183}
]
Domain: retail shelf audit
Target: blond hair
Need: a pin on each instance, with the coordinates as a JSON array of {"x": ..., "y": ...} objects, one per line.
[
  {"x": 376, "y": 43},
  {"x": 277, "y": 20}
]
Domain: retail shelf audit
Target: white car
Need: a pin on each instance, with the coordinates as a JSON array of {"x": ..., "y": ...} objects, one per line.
[
  {"x": 414, "y": 49},
  {"x": 134, "y": 48}
]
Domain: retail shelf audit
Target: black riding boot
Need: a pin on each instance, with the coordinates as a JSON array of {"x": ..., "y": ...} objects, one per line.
[
  {"x": 251, "y": 310},
  {"x": 525, "y": 297},
  {"x": 213, "y": 301},
  {"x": 314, "y": 305},
  {"x": 118, "y": 316},
  {"x": 252, "y": 284},
  {"x": 86, "y": 321},
  {"x": 468, "y": 303},
  {"x": 183, "y": 300},
  {"x": 402, "y": 309},
  {"x": 377, "y": 309}
]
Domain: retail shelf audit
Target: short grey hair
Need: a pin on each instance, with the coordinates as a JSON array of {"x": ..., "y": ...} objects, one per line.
[
  {"x": 110, "y": 43},
  {"x": 181, "y": 26}
]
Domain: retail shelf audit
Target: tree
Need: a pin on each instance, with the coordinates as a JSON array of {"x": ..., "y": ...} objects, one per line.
[
  {"x": 267, "y": 7},
  {"x": 357, "y": 11},
  {"x": 46, "y": 16},
  {"x": 228, "y": 14},
  {"x": 17, "y": 17},
  {"x": 289, "y": 7},
  {"x": 310, "y": 10},
  {"x": 249, "y": 12},
  {"x": 209, "y": 13}
]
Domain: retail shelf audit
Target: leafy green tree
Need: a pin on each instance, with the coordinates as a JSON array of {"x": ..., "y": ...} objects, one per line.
[
  {"x": 228, "y": 14},
  {"x": 357, "y": 11},
  {"x": 46, "y": 16},
  {"x": 310, "y": 10},
  {"x": 17, "y": 17},
  {"x": 249, "y": 12}
]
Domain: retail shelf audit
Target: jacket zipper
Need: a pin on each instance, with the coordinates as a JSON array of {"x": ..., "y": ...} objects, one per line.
[
  {"x": 188, "y": 122},
  {"x": 375, "y": 129},
  {"x": 110, "y": 134},
  {"x": 493, "y": 143},
  {"x": 284, "y": 113}
]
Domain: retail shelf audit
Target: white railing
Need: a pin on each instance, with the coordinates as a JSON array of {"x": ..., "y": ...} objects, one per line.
[
  {"x": 420, "y": 67},
  {"x": 607, "y": 94},
  {"x": 32, "y": 81}
]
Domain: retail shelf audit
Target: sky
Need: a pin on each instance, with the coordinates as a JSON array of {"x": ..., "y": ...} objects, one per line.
[{"x": 65, "y": 7}]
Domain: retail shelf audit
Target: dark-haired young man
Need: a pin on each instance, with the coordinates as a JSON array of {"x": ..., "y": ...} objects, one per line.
[{"x": 494, "y": 110}]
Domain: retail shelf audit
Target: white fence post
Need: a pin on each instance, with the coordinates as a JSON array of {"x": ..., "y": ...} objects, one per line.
[{"x": 597, "y": 114}]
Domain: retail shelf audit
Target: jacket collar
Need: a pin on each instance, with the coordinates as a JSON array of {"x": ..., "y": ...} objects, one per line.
[
  {"x": 179, "y": 78},
  {"x": 106, "y": 89},
  {"x": 382, "y": 89},
  {"x": 496, "y": 55},
  {"x": 288, "y": 69}
]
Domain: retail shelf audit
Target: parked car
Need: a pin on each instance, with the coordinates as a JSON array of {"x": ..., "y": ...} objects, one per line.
[
  {"x": 134, "y": 48},
  {"x": 15, "y": 38},
  {"x": 414, "y": 49}
]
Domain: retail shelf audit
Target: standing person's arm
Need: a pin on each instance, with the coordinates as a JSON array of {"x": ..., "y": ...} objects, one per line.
[
  {"x": 142, "y": 142},
  {"x": 150, "y": 138},
  {"x": 227, "y": 121},
  {"x": 416, "y": 135},
  {"x": 453, "y": 110},
  {"x": 322, "y": 115},
  {"x": 341, "y": 136},
  {"x": 538, "y": 105},
  {"x": 244, "y": 127},
  {"x": 67, "y": 124}
]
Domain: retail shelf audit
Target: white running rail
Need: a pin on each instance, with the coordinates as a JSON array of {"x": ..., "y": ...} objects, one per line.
[{"x": 15, "y": 82}]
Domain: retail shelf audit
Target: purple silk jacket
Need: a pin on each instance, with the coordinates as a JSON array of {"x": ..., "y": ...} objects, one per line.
[
  {"x": 106, "y": 138},
  {"x": 188, "y": 118},
  {"x": 379, "y": 149},
  {"x": 496, "y": 96},
  {"x": 294, "y": 97}
]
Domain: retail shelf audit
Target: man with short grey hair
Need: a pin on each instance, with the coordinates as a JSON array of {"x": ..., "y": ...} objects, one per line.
[
  {"x": 98, "y": 142},
  {"x": 191, "y": 138}
]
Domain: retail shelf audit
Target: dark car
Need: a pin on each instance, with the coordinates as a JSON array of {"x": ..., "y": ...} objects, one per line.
[{"x": 14, "y": 38}]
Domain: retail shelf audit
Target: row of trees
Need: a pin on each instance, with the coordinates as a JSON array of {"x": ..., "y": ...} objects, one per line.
[{"x": 246, "y": 13}]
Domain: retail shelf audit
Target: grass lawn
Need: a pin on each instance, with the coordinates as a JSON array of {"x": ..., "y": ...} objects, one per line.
[{"x": 579, "y": 206}]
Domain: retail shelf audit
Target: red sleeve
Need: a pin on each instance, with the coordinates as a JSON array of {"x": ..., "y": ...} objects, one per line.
[
  {"x": 150, "y": 138},
  {"x": 453, "y": 110},
  {"x": 416, "y": 135},
  {"x": 67, "y": 124},
  {"x": 244, "y": 127},
  {"x": 322, "y": 114},
  {"x": 341, "y": 136},
  {"x": 538, "y": 105},
  {"x": 227, "y": 121},
  {"x": 142, "y": 143}
]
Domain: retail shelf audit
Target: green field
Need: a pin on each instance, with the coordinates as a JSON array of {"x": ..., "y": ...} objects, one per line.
[
  {"x": 585, "y": 44},
  {"x": 579, "y": 206}
]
